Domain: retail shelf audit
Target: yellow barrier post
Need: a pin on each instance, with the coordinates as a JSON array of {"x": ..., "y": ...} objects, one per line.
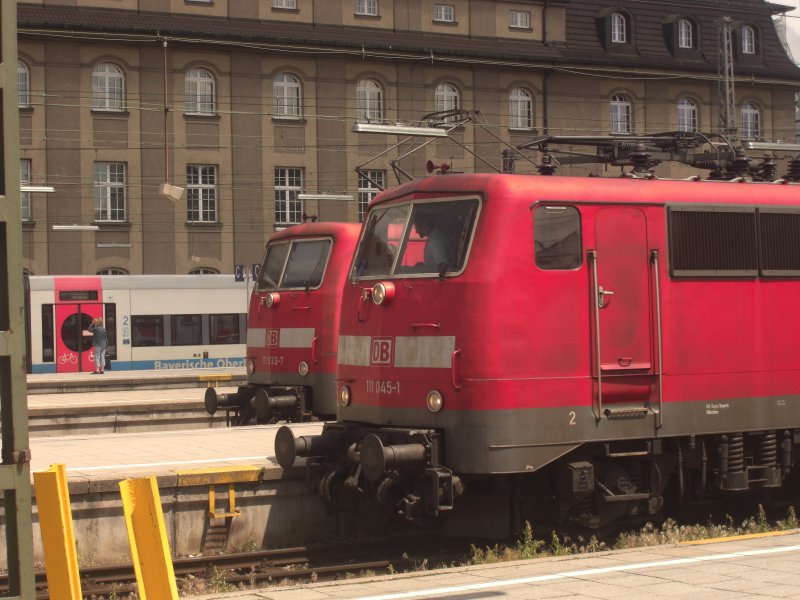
[
  {"x": 58, "y": 537},
  {"x": 148, "y": 538}
]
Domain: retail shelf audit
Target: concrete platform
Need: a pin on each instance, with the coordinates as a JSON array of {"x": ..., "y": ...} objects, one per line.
[
  {"x": 53, "y": 383},
  {"x": 765, "y": 566},
  {"x": 276, "y": 510},
  {"x": 122, "y": 411}
]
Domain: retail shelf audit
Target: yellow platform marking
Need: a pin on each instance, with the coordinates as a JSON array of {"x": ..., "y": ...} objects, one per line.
[
  {"x": 220, "y": 476},
  {"x": 733, "y": 538}
]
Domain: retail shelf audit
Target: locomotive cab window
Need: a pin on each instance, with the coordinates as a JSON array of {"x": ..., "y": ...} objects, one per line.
[
  {"x": 557, "y": 237},
  {"x": 306, "y": 264},
  {"x": 423, "y": 238},
  {"x": 293, "y": 265}
]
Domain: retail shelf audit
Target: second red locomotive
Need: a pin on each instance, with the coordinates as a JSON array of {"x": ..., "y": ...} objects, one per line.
[
  {"x": 578, "y": 347},
  {"x": 293, "y": 327}
]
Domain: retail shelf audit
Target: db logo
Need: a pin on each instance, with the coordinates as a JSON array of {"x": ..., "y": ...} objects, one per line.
[
  {"x": 381, "y": 351},
  {"x": 271, "y": 338}
]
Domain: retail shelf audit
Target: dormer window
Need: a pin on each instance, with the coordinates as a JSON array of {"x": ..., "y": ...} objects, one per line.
[
  {"x": 685, "y": 34},
  {"x": 615, "y": 28},
  {"x": 748, "y": 38},
  {"x": 619, "y": 29}
]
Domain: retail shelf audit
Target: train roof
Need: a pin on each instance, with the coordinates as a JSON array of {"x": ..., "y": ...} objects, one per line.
[
  {"x": 140, "y": 282},
  {"x": 529, "y": 189},
  {"x": 320, "y": 228}
]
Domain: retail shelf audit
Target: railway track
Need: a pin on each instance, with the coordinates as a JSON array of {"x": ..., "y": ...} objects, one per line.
[{"x": 302, "y": 563}]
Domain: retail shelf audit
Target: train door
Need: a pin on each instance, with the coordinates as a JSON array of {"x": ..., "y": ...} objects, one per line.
[
  {"x": 622, "y": 319},
  {"x": 74, "y": 348}
]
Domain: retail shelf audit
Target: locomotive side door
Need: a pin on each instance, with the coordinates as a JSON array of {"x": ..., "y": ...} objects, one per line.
[
  {"x": 73, "y": 348},
  {"x": 623, "y": 368}
]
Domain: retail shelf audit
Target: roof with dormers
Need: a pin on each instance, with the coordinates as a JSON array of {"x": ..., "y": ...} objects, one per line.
[{"x": 583, "y": 47}]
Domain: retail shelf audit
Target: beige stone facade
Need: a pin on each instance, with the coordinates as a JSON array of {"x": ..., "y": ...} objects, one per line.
[{"x": 256, "y": 149}]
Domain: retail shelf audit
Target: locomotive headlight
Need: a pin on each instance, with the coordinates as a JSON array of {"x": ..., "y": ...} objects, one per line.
[
  {"x": 271, "y": 300},
  {"x": 251, "y": 366},
  {"x": 435, "y": 401},
  {"x": 382, "y": 293},
  {"x": 344, "y": 396},
  {"x": 302, "y": 368}
]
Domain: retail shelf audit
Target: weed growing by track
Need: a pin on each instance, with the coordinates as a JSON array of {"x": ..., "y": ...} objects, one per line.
[{"x": 670, "y": 532}]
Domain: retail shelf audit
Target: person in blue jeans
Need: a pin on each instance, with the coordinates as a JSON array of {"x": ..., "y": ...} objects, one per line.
[{"x": 100, "y": 342}]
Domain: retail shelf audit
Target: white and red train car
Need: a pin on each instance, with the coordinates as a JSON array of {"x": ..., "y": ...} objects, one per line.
[
  {"x": 293, "y": 324},
  {"x": 162, "y": 322},
  {"x": 581, "y": 347}
]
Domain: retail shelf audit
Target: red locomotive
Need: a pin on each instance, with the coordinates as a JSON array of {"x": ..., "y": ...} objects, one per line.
[
  {"x": 579, "y": 347},
  {"x": 292, "y": 327}
]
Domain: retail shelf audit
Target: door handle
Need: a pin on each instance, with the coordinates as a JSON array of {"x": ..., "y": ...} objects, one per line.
[{"x": 601, "y": 294}]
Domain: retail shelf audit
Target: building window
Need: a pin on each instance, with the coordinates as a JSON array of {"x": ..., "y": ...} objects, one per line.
[
  {"x": 107, "y": 87},
  {"x": 369, "y": 101},
  {"x": 201, "y": 193},
  {"x": 112, "y": 271},
  {"x": 203, "y": 271},
  {"x": 748, "y": 40},
  {"x": 751, "y": 122},
  {"x": 521, "y": 109},
  {"x": 286, "y": 90},
  {"x": 200, "y": 98},
  {"x": 109, "y": 191},
  {"x": 25, "y": 179},
  {"x": 619, "y": 24},
  {"x": 620, "y": 114},
  {"x": 24, "y": 84},
  {"x": 685, "y": 34},
  {"x": 367, "y": 7},
  {"x": 370, "y": 184},
  {"x": 284, "y": 4},
  {"x": 519, "y": 19},
  {"x": 687, "y": 115},
  {"x": 446, "y": 97},
  {"x": 288, "y": 186},
  {"x": 444, "y": 13}
]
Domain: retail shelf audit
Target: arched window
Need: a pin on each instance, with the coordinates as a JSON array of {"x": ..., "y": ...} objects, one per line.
[
  {"x": 204, "y": 271},
  {"x": 520, "y": 109},
  {"x": 621, "y": 121},
  {"x": 24, "y": 84},
  {"x": 748, "y": 40},
  {"x": 751, "y": 122},
  {"x": 200, "y": 96},
  {"x": 108, "y": 87},
  {"x": 369, "y": 101},
  {"x": 687, "y": 115},
  {"x": 112, "y": 271},
  {"x": 619, "y": 28},
  {"x": 446, "y": 97},
  {"x": 685, "y": 34},
  {"x": 286, "y": 90}
]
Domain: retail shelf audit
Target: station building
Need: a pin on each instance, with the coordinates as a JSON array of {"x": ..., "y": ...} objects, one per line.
[{"x": 245, "y": 109}]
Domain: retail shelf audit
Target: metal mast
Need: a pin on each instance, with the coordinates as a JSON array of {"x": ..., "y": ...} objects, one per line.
[
  {"x": 15, "y": 475},
  {"x": 727, "y": 95}
]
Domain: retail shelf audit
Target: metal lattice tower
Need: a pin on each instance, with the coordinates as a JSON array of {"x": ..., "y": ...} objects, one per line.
[
  {"x": 727, "y": 94},
  {"x": 15, "y": 475}
]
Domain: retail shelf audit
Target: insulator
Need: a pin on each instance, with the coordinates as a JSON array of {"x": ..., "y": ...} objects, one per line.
[
  {"x": 546, "y": 167},
  {"x": 705, "y": 163},
  {"x": 735, "y": 453},
  {"x": 794, "y": 170},
  {"x": 766, "y": 451},
  {"x": 741, "y": 164},
  {"x": 640, "y": 159},
  {"x": 768, "y": 170}
]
